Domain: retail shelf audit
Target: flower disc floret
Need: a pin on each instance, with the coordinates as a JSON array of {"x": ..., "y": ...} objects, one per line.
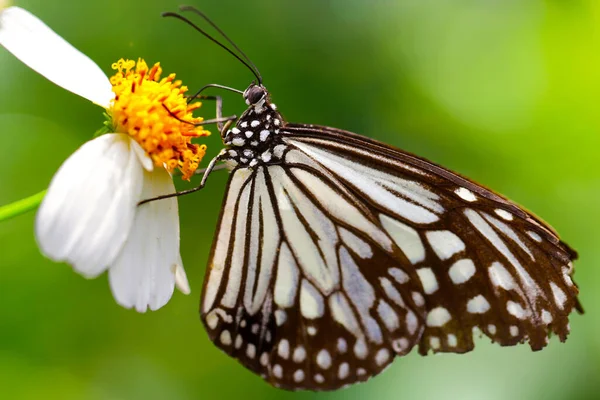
[{"x": 156, "y": 114}]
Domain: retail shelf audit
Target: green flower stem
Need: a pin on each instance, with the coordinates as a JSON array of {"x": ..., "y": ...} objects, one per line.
[{"x": 21, "y": 206}]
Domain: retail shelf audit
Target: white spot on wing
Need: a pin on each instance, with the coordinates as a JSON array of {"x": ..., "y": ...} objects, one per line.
[
  {"x": 400, "y": 276},
  {"x": 388, "y": 316},
  {"x": 391, "y": 291},
  {"x": 516, "y": 310},
  {"x": 466, "y": 194},
  {"x": 382, "y": 357},
  {"x": 251, "y": 350},
  {"x": 445, "y": 243},
  {"x": 299, "y": 354},
  {"x": 535, "y": 236},
  {"x": 238, "y": 141},
  {"x": 266, "y": 156},
  {"x": 478, "y": 305},
  {"x": 428, "y": 280},
  {"x": 559, "y": 296},
  {"x": 504, "y": 214},
  {"x": 264, "y": 359},
  {"x": 452, "y": 340},
  {"x": 461, "y": 271},
  {"x": 225, "y": 338},
  {"x": 405, "y": 237},
  {"x": 437, "y": 317},
  {"x": 342, "y": 313},
  {"x": 500, "y": 277},
  {"x": 359, "y": 246},
  {"x": 546, "y": 317},
  {"x": 264, "y": 135},
  {"x": 342, "y": 346},
  {"x": 343, "y": 370},
  {"x": 298, "y": 375},
  {"x": 324, "y": 359},
  {"x": 283, "y": 349},
  {"x": 278, "y": 150},
  {"x": 412, "y": 323},
  {"x": 280, "y": 317},
  {"x": 400, "y": 345},
  {"x": 360, "y": 349},
  {"x": 311, "y": 301},
  {"x": 212, "y": 319},
  {"x": 286, "y": 283}
]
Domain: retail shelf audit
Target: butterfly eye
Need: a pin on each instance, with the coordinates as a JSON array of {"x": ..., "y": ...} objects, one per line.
[{"x": 255, "y": 94}]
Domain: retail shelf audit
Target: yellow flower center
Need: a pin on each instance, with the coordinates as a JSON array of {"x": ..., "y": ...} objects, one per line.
[{"x": 155, "y": 113}]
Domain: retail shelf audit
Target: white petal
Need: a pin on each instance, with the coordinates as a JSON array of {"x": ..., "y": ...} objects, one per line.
[
  {"x": 143, "y": 275},
  {"x": 181, "y": 280},
  {"x": 38, "y": 46},
  {"x": 143, "y": 156},
  {"x": 90, "y": 205}
]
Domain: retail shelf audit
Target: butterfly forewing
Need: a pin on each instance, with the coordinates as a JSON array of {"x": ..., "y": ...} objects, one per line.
[
  {"x": 335, "y": 253},
  {"x": 484, "y": 263}
]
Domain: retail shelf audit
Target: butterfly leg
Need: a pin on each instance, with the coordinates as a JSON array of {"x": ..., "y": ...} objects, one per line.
[
  {"x": 219, "y": 111},
  {"x": 207, "y": 171}
]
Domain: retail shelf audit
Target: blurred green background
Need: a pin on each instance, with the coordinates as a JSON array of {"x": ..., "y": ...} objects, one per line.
[{"x": 505, "y": 92}]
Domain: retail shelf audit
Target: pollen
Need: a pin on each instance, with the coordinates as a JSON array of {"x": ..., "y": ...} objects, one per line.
[{"x": 154, "y": 112}]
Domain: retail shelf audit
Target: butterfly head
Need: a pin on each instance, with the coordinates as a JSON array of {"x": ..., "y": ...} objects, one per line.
[
  {"x": 255, "y": 139},
  {"x": 257, "y": 96}
]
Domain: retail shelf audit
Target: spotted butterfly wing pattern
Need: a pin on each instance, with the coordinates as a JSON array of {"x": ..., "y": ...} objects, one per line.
[
  {"x": 484, "y": 263},
  {"x": 335, "y": 253}
]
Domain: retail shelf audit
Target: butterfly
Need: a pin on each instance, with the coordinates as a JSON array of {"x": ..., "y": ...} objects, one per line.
[{"x": 336, "y": 253}]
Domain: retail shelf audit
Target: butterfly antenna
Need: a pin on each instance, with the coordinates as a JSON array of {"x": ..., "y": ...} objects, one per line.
[
  {"x": 235, "y": 46},
  {"x": 197, "y": 28}
]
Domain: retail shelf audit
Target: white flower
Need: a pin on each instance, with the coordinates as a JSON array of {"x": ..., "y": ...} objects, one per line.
[{"x": 89, "y": 217}]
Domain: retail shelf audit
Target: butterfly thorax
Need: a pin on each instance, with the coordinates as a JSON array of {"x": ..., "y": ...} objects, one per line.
[{"x": 255, "y": 139}]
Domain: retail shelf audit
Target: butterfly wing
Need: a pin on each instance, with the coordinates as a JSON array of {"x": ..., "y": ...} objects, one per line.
[
  {"x": 304, "y": 287},
  {"x": 350, "y": 252},
  {"x": 485, "y": 263}
]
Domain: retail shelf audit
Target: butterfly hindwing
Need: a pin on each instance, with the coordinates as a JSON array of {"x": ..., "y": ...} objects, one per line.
[{"x": 308, "y": 291}]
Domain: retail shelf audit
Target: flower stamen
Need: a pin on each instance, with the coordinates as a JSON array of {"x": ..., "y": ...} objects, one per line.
[{"x": 155, "y": 113}]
